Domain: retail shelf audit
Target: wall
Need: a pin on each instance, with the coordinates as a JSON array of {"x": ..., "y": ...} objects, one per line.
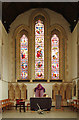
[
  {"x": 75, "y": 59},
  {"x": 74, "y": 53},
  {"x": 0, "y": 46},
  {"x": 54, "y": 19},
  {"x": 25, "y": 20},
  {"x": 11, "y": 68},
  {"x": 4, "y": 58},
  {"x": 78, "y": 48},
  {"x": 78, "y": 60}
]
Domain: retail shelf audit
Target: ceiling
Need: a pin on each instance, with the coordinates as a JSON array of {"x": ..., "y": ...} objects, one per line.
[{"x": 69, "y": 10}]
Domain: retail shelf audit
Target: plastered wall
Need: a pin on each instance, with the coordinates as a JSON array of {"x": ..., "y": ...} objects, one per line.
[
  {"x": 4, "y": 55},
  {"x": 75, "y": 59},
  {"x": 74, "y": 53}
]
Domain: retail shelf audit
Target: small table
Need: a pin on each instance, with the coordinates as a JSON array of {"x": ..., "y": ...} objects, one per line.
[{"x": 22, "y": 105}]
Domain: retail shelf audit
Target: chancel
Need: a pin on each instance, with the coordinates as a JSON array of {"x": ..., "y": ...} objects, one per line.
[{"x": 39, "y": 60}]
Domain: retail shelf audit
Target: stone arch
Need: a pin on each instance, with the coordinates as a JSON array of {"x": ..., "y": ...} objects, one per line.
[
  {"x": 59, "y": 28},
  {"x": 35, "y": 14},
  {"x": 68, "y": 91},
  {"x": 23, "y": 91},
  {"x": 17, "y": 92},
  {"x": 62, "y": 91},
  {"x": 19, "y": 29},
  {"x": 55, "y": 90},
  {"x": 17, "y": 34},
  {"x": 11, "y": 92},
  {"x": 60, "y": 32}
]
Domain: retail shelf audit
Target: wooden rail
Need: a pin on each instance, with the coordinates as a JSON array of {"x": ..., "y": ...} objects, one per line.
[{"x": 4, "y": 104}]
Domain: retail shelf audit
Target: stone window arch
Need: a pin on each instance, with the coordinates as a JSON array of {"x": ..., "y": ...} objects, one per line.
[
  {"x": 61, "y": 34},
  {"x": 18, "y": 34},
  {"x": 43, "y": 16}
]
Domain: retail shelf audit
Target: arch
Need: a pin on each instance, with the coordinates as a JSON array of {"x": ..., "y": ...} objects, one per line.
[
  {"x": 55, "y": 89},
  {"x": 37, "y": 12},
  {"x": 68, "y": 91},
  {"x": 59, "y": 28},
  {"x": 62, "y": 91},
  {"x": 23, "y": 91},
  {"x": 19, "y": 31},
  {"x": 11, "y": 92},
  {"x": 17, "y": 92},
  {"x": 60, "y": 32}
]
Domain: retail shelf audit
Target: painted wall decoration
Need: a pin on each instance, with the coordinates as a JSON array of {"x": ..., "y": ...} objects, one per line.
[
  {"x": 54, "y": 57},
  {"x": 39, "y": 50},
  {"x": 24, "y": 57}
]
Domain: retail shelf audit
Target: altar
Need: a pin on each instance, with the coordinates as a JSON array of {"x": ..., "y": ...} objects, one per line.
[{"x": 44, "y": 103}]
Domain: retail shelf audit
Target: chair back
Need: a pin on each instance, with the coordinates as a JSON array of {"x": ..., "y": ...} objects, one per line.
[{"x": 17, "y": 101}]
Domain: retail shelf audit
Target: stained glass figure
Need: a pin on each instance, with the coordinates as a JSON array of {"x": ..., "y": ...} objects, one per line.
[
  {"x": 55, "y": 57},
  {"x": 24, "y": 57},
  {"x": 39, "y": 49}
]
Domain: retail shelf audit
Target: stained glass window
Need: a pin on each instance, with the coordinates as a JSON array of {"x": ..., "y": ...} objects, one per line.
[
  {"x": 39, "y": 50},
  {"x": 55, "y": 57},
  {"x": 24, "y": 57}
]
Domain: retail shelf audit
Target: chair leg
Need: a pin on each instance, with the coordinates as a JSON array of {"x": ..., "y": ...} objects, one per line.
[
  {"x": 0, "y": 110},
  {"x": 28, "y": 106},
  {"x": 16, "y": 106},
  {"x": 24, "y": 107}
]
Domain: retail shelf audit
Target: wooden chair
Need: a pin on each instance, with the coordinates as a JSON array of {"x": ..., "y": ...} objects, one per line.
[
  {"x": 22, "y": 105},
  {"x": 28, "y": 105},
  {"x": 18, "y": 102},
  {"x": 0, "y": 106},
  {"x": 9, "y": 104},
  {"x": 3, "y": 104},
  {"x": 77, "y": 105},
  {"x": 74, "y": 105}
]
